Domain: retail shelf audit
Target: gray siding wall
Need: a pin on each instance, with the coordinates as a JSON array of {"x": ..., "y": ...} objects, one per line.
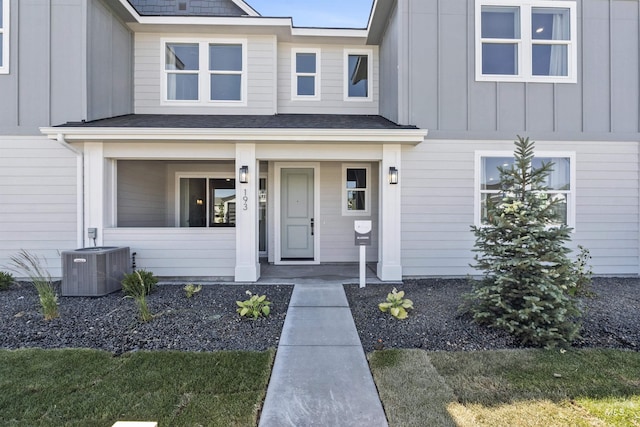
[
  {"x": 142, "y": 193},
  {"x": 110, "y": 64},
  {"x": 438, "y": 204},
  {"x": 389, "y": 51},
  {"x": 37, "y": 200},
  {"x": 332, "y": 77},
  {"x": 445, "y": 98},
  {"x": 52, "y": 79}
]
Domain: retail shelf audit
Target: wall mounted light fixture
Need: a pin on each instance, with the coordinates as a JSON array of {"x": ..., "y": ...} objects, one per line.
[
  {"x": 244, "y": 174},
  {"x": 393, "y": 175}
]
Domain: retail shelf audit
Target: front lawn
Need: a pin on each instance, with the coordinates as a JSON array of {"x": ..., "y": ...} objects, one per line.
[
  {"x": 509, "y": 387},
  {"x": 74, "y": 387}
]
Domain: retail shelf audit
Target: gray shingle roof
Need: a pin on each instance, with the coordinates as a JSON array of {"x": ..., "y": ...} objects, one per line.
[
  {"x": 278, "y": 121},
  {"x": 186, "y": 7}
]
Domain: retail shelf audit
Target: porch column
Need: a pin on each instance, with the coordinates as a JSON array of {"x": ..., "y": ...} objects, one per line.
[
  {"x": 390, "y": 242},
  {"x": 247, "y": 262},
  {"x": 94, "y": 192}
]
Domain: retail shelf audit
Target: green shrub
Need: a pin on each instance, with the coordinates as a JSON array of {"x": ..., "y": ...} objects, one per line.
[
  {"x": 397, "y": 305},
  {"x": 31, "y": 266},
  {"x": 583, "y": 274},
  {"x": 254, "y": 307},
  {"x": 137, "y": 285},
  {"x": 140, "y": 282},
  {"x": 522, "y": 252},
  {"x": 6, "y": 279},
  {"x": 191, "y": 289}
]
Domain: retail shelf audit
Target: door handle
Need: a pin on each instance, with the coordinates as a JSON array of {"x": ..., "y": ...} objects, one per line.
[{"x": 312, "y": 225}]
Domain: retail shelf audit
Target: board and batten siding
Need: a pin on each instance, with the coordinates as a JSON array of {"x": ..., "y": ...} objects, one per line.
[
  {"x": 38, "y": 200},
  {"x": 332, "y": 77},
  {"x": 179, "y": 252},
  {"x": 438, "y": 204},
  {"x": 261, "y": 76},
  {"x": 443, "y": 96}
]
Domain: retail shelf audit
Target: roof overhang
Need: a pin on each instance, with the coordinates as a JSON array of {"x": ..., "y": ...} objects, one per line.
[{"x": 256, "y": 135}]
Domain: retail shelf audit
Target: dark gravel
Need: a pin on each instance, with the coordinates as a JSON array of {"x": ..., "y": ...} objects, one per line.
[
  {"x": 207, "y": 321},
  {"x": 611, "y": 320}
]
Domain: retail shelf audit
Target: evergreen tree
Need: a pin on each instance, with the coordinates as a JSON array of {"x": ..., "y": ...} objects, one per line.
[{"x": 527, "y": 274}]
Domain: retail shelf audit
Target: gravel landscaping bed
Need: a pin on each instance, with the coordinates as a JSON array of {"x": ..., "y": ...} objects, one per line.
[
  {"x": 209, "y": 321},
  {"x": 611, "y": 320}
]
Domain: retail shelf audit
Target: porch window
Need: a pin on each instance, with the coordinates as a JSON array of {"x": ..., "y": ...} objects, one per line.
[
  {"x": 526, "y": 40},
  {"x": 358, "y": 73},
  {"x": 305, "y": 66},
  {"x": 560, "y": 182},
  {"x": 204, "y": 71},
  {"x": 4, "y": 36},
  {"x": 207, "y": 202},
  {"x": 356, "y": 190}
]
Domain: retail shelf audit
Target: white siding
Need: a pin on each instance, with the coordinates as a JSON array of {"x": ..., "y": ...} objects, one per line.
[
  {"x": 331, "y": 84},
  {"x": 438, "y": 204},
  {"x": 37, "y": 200},
  {"x": 172, "y": 252},
  {"x": 261, "y": 69}
]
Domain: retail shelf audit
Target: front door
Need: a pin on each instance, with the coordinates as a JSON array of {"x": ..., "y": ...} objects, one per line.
[{"x": 297, "y": 226}]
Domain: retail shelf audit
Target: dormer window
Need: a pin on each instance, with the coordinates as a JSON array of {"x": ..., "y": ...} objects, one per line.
[
  {"x": 4, "y": 36},
  {"x": 204, "y": 72}
]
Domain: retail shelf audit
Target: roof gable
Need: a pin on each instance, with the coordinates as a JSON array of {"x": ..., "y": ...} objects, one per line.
[{"x": 193, "y": 7}]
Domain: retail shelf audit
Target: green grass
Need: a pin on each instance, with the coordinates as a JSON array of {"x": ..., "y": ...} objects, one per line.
[
  {"x": 74, "y": 387},
  {"x": 509, "y": 388}
]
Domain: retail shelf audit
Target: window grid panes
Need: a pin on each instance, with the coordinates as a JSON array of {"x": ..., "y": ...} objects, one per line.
[
  {"x": 525, "y": 41},
  {"x": 305, "y": 74},
  {"x": 225, "y": 67},
  {"x": 356, "y": 189},
  {"x": 207, "y": 202},
  {"x": 558, "y": 182},
  {"x": 182, "y": 64}
]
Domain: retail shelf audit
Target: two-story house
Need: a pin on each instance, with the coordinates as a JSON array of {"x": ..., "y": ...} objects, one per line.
[{"x": 208, "y": 138}]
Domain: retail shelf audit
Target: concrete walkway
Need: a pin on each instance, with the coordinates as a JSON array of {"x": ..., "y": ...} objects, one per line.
[{"x": 320, "y": 376}]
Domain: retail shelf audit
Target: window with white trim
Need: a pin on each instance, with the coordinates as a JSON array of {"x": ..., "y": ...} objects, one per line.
[
  {"x": 4, "y": 36},
  {"x": 358, "y": 72},
  {"x": 305, "y": 74},
  {"x": 207, "y": 201},
  {"x": 526, "y": 40},
  {"x": 560, "y": 182},
  {"x": 356, "y": 192},
  {"x": 201, "y": 72}
]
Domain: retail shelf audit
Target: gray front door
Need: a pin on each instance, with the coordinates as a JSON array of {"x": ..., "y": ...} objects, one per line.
[{"x": 297, "y": 214}]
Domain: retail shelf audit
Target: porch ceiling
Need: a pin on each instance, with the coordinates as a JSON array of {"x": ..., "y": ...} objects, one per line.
[{"x": 311, "y": 128}]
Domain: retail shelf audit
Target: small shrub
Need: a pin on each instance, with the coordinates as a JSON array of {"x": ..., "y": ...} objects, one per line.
[
  {"x": 6, "y": 279},
  {"x": 583, "y": 274},
  {"x": 397, "y": 305},
  {"x": 191, "y": 289},
  {"x": 137, "y": 289},
  {"x": 31, "y": 266},
  {"x": 139, "y": 282},
  {"x": 255, "y": 306}
]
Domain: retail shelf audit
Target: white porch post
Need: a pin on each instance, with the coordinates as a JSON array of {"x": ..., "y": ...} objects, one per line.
[
  {"x": 94, "y": 192},
  {"x": 390, "y": 242},
  {"x": 247, "y": 262}
]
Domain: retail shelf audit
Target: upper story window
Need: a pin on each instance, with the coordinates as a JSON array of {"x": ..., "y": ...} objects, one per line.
[
  {"x": 305, "y": 74},
  {"x": 4, "y": 36},
  {"x": 197, "y": 72},
  {"x": 358, "y": 75},
  {"x": 526, "y": 40},
  {"x": 560, "y": 182},
  {"x": 355, "y": 190}
]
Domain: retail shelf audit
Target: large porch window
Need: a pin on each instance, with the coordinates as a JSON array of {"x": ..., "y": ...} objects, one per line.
[{"x": 207, "y": 202}]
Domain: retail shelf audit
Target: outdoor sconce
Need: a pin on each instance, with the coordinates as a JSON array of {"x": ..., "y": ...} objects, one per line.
[
  {"x": 244, "y": 174},
  {"x": 393, "y": 175},
  {"x": 199, "y": 202}
]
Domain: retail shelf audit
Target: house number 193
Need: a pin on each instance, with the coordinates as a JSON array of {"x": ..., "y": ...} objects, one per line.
[{"x": 244, "y": 201}]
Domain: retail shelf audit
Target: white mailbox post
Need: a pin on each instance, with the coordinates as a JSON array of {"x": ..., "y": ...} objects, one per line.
[{"x": 363, "y": 239}]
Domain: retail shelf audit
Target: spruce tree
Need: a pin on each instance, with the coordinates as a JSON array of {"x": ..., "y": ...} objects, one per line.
[{"x": 522, "y": 253}]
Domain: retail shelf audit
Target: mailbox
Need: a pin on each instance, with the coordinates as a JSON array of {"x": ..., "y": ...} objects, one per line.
[{"x": 363, "y": 233}]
